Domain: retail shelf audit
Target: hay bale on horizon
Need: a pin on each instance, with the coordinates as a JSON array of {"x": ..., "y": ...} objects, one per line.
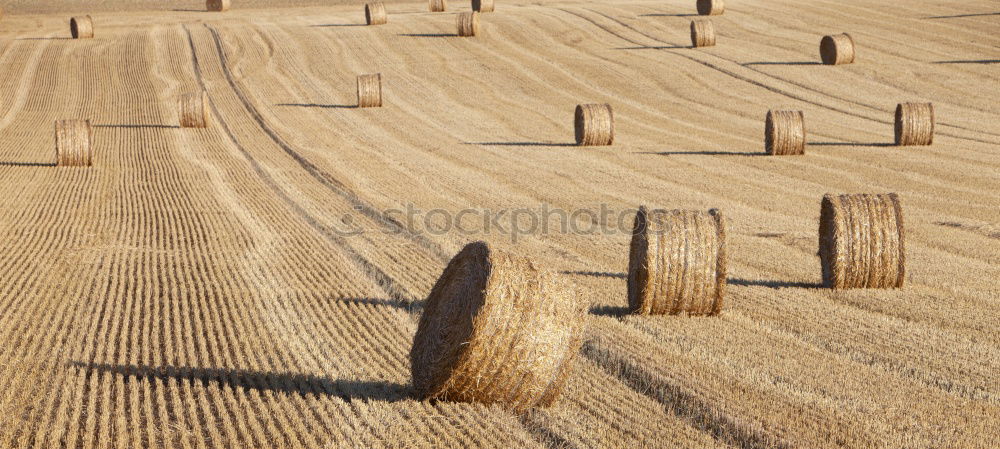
[
  {"x": 482, "y": 5},
  {"x": 837, "y": 49},
  {"x": 437, "y": 5},
  {"x": 861, "y": 241},
  {"x": 218, "y": 5},
  {"x": 497, "y": 330},
  {"x": 677, "y": 262},
  {"x": 702, "y": 33},
  {"x": 193, "y": 110},
  {"x": 784, "y": 133},
  {"x": 914, "y": 124},
  {"x": 81, "y": 27},
  {"x": 370, "y": 91},
  {"x": 468, "y": 24},
  {"x": 711, "y": 7},
  {"x": 594, "y": 124},
  {"x": 73, "y": 143},
  {"x": 375, "y": 14}
]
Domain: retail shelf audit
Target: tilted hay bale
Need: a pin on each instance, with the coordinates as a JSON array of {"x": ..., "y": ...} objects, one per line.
[
  {"x": 914, "y": 124},
  {"x": 73, "y": 143},
  {"x": 375, "y": 14},
  {"x": 784, "y": 133},
  {"x": 711, "y": 7},
  {"x": 370, "y": 91},
  {"x": 837, "y": 49},
  {"x": 437, "y": 5},
  {"x": 81, "y": 27},
  {"x": 496, "y": 329},
  {"x": 677, "y": 262},
  {"x": 218, "y": 5},
  {"x": 468, "y": 24},
  {"x": 702, "y": 33},
  {"x": 594, "y": 124},
  {"x": 861, "y": 241},
  {"x": 193, "y": 110},
  {"x": 482, "y": 5}
]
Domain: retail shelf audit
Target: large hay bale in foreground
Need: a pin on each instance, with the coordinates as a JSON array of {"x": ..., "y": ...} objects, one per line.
[
  {"x": 468, "y": 24},
  {"x": 914, "y": 124},
  {"x": 482, "y": 5},
  {"x": 370, "y": 91},
  {"x": 193, "y": 110},
  {"x": 218, "y": 5},
  {"x": 375, "y": 14},
  {"x": 702, "y": 33},
  {"x": 594, "y": 124},
  {"x": 437, "y": 5},
  {"x": 81, "y": 27},
  {"x": 784, "y": 133},
  {"x": 73, "y": 143},
  {"x": 497, "y": 330},
  {"x": 837, "y": 49},
  {"x": 711, "y": 7},
  {"x": 861, "y": 241},
  {"x": 677, "y": 262}
]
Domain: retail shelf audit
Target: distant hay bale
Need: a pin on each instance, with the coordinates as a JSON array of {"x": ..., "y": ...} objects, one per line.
[
  {"x": 193, "y": 110},
  {"x": 784, "y": 133},
  {"x": 914, "y": 124},
  {"x": 497, "y": 330},
  {"x": 711, "y": 7},
  {"x": 837, "y": 49},
  {"x": 438, "y": 5},
  {"x": 861, "y": 241},
  {"x": 677, "y": 262},
  {"x": 375, "y": 14},
  {"x": 468, "y": 24},
  {"x": 594, "y": 124},
  {"x": 73, "y": 143},
  {"x": 482, "y": 5},
  {"x": 81, "y": 27},
  {"x": 218, "y": 5},
  {"x": 370, "y": 91},
  {"x": 702, "y": 33}
]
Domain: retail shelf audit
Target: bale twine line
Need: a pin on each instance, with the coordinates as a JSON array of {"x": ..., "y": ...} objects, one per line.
[
  {"x": 594, "y": 124},
  {"x": 711, "y": 7},
  {"x": 375, "y": 14},
  {"x": 861, "y": 241},
  {"x": 437, "y": 5},
  {"x": 784, "y": 133},
  {"x": 193, "y": 110},
  {"x": 468, "y": 24},
  {"x": 81, "y": 27},
  {"x": 497, "y": 330},
  {"x": 914, "y": 124},
  {"x": 482, "y": 5},
  {"x": 702, "y": 33},
  {"x": 370, "y": 90},
  {"x": 837, "y": 49},
  {"x": 73, "y": 143},
  {"x": 218, "y": 5}
]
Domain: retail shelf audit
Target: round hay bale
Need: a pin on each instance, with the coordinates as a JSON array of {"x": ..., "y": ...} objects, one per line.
[
  {"x": 81, "y": 27},
  {"x": 594, "y": 124},
  {"x": 837, "y": 49},
  {"x": 677, "y": 262},
  {"x": 370, "y": 91},
  {"x": 438, "y": 5},
  {"x": 375, "y": 14},
  {"x": 73, "y": 143},
  {"x": 482, "y": 5},
  {"x": 193, "y": 110},
  {"x": 702, "y": 33},
  {"x": 914, "y": 124},
  {"x": 861, "y": 241},
  {"x": 784, "y": 133},
  {"x": 468, "y": 24},
  {"x": 711, "y": 7},
  {"x": 497, "y": 330},
  {"x": 218, "y": 5}
]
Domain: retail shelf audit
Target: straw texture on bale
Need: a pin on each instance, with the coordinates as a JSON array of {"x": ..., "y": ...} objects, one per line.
[
  {"x": 81, "y": 27},
  {"x": 837, "y": 49},
  {"x": 702, "y": 33},
  {"x": 468, "y": 24},
  {"x": 482, "y": 5},
  {"x": 73, "y": 145},
  {"x": 497, "y": 330},
  {"x": 677, "y": 262},
  {"x": 594, "y": 124},
  {"x": 914, "y": 124},
  {"x": 193, "y": 110},
  {"x": 375, "y": 14},
  {"x": 218, "y": 5},
  {"x": 711, "y": 7},
  {"x": 437, "y": 5},
  {"x": 784, "y": 133},
  {"x": 861, "y": 241},
  {"x": 370, "y": 91}
]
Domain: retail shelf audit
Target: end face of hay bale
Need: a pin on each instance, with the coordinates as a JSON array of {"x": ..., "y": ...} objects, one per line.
[
  {"x": 375, "y": 14},
  {"x": 711, "y": 7},
  {"x": 218, "y": 5},
  {"x": 482, "y": 5},
  {"x": 594, "y": 124},
  {"x": 437, "y": 5},
  {"x": 81, "y": 27},
  {"x": 193, "y": 110},
  {"x": 73, "y": 143},
  {"x": 702, "y": 33},
  {"x": 861, "y": 241},
  {"x": 370, "y": 91},
  {"x": 914, "y": 124},
  {"x": 837, "y": 49},
  {"x": 497, "y": 330},
  {"x": 677, "y": 262},
  {"x": 784, "y": 133},
  {"x": 468, "y": 24}
]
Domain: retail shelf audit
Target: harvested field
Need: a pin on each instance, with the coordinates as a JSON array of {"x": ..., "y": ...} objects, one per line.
[{"x": 259, "y": 282}]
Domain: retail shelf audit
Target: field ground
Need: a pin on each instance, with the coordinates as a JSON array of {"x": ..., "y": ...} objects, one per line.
[{"x": 193, "y": 288}]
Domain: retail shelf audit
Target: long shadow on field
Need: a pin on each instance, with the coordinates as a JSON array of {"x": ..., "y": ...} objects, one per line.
[
  {"x": 399, "y": 304},
  {"x": 429, "y": 35},
  {"x": 42, "y": 38},
  {"x": 970, "y": 61},
  {"x": 965, "y": 15},
  {"x": 261, "y": 381},
  {"x": 597, "y": 274},
  {"x": 611, "y": 311},
  {"x": 338, "y": 25},
  {"x": 772, "y": 284},
  {"x": 27, "y": 164},
  {"x": 703, "y": 153},
  {"x": 657, "y": 47},
  {"x": 781, "y": 63},
  {"x": 667, "y": 15},
  {"x": 523, "y": 144},
  {"x": 138, "y": 126},
  {"x": 851, "y": 144},
  {"x": 325, "y": 106}
]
